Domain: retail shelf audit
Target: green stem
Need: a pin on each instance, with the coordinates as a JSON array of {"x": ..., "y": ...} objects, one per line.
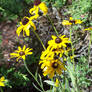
[
  {"x": 39, "y": 39},
  {"x": 1, "y": 89},
  {"x": 75, "y": 81},
  {"x": 32, "y": 74},
  {"x": 52, "y": 24},
  {"x": 72, "y": 47},
  {"x": 90, "y": 40},
  {"x": 64, "y": 81}
]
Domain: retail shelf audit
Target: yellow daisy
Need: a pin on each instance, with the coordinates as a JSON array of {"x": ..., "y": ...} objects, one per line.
[
  {"x": 66, "y": 22},
  {"x": 90, "y": 28},
  {"x": 21, "y": 53},
  {"x": 71, "y": 21},
  {"x": 52, "y": 67},
  {"x": 49, "y": 55},
  {"x": 25, "y": 26},
  {"x": 38, "y": 5},
  {"x": 2, "y": 80},
  {"x": 58, "y": 42}
]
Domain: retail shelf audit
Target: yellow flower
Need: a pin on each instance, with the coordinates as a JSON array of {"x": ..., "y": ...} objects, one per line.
[
  {"x": 25, "y": 26},
  {"x": 38, "y": 5},
  {"x": 52, "y": 67},
  {"x": 71, "y": 21},
  {"x": 21, "y": 53},
  {"x": 46, "y": 56},
  {"x": 49, "y": 55},
  {"x": 57, "y": 82},
  {"x": 58, "y": 51},
  {"x": 58, "y": 42},
  {"x": 90, "y": 28},
  {"x": 78, "y": 21},
  {"x": 66, "y": 22},
  {"x": 2, "y": 80}
]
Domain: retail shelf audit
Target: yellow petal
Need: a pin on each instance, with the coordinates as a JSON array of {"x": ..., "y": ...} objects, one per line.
[
  {"x": 27, "y": 32},
  {"x": 23, "y": 57},
  {"x": 70, "y": 18},
  {"x": 19, "y": 48},
  {"x": 42, "y": 66},
  {"x": 29, "y": 53},
  {"x": 27, "y": 26},
  {"x": 33, "y": 25},
  {"x": 24, "y": 47},
  {"x": 88, "y": 29},
  {"x": 14, "y": 54},
  {"x": 36, "y": 10},
  {"x": 43, "y": 7},
  {"x": 66, "y": 22},
  {"x": 19, "y": 29},
  {"x": 27, "y": 50},
  {"x": 2, "y": 78},
  {"x": 18, "y": 58},
  {"x": 34, "y": 17},
  {"x": 62, "y": 36},
  {"x": 2, "y": 84},
  {"x": 32, "y": 9},
  {"x": 78, "y": 21},
  {"x": 53, "y": 37}
]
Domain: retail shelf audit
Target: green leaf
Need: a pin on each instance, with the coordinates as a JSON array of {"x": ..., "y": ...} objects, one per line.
[
  {"x": 50, "y": 82},
  {"x": 1, "y": 9}
]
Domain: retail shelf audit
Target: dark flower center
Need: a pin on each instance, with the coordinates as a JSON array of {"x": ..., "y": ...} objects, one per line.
[
  {"x": 40, "y": 13},
  {"x": 58, "y": 40},
  {"x": 37, "y": 2},
  {"x": 72, "y": 21},
  {"x": 54, "y": 50},
  {"x": 56, "y": 57},
  {"x": 22, "y": 53},
  {"x": 55, "y": 65},
  {"x": 68, "y": 45},
  {"x": 25, "y": 21}
]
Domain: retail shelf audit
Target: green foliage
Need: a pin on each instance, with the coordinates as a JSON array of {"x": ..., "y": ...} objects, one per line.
[
  {"x": 28, "y": 1},
  {"x": 32, "y": 58},
  {"x": 80, "y": 8},
  {"x": 15, "y": 78},
  {"x": 11, "y": 9},
  {"x": 20, "y": 78},
  {"x": 79, "y": 75},
  {"x": 83, "y": 72},
  {"x": 55, "y": 3}
]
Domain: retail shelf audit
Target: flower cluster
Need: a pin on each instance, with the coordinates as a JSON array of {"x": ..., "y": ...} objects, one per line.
[
  {"x": 71, "y": 21},
  {"x": 50, "y": 60},
  {"x": 25, "y": 25},
  {"x": 27, "y": 22}
]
